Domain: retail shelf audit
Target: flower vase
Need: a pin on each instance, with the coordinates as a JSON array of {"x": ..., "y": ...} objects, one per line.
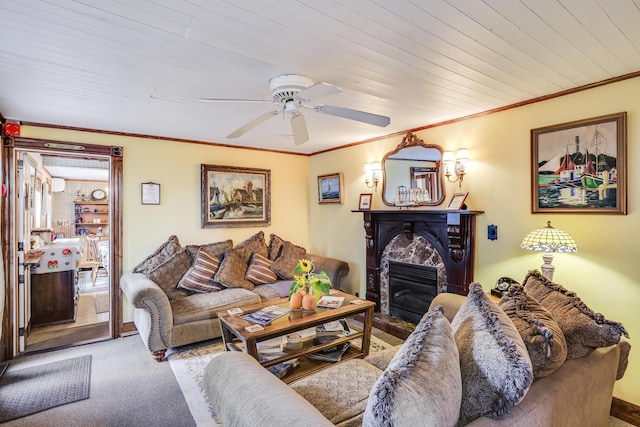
[
  {"x": 309, "y": 302},
  {"x": 295, "y": 300}
]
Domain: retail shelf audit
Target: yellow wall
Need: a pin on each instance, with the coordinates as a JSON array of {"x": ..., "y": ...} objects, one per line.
[
  {"x": 176, "y": 167},
  {"x": 604, "y": 273}
]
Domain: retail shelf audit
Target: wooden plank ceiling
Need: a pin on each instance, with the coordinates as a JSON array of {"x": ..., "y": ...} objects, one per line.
[{"x": 140, "y": 66}]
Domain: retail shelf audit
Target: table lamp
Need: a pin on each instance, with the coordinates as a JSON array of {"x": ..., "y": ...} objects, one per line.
[{"x": 548, "y": 240}]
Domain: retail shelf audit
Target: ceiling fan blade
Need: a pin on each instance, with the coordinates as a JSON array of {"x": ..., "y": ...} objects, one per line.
[
  {"x": 253, "y": 123},
  {"x": 348, "y": 113},
  {"x": 299, "y": 127},
  {"x": 261, "y": 101},
  {"x": 318, "y": 90}
]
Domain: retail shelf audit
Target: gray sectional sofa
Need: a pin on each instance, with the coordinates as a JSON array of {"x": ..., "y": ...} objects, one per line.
[{"x": 390, "y": 387}]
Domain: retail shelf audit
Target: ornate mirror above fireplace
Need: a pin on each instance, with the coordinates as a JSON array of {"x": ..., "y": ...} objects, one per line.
[{"x": 412, "y": 175}]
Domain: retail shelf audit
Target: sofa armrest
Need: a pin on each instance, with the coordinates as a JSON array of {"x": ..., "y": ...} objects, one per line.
[
  {"x": 450, "y": 302},
  {"x": 153, "y": 316},
  {"x": 625, "y": 348},
  {"x": 335, "y": 268},
  {"x": 244, "y": 393}
]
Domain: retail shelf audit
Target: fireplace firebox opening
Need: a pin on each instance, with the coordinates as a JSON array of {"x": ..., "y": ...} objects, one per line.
[{"x": 412, "y": 287}]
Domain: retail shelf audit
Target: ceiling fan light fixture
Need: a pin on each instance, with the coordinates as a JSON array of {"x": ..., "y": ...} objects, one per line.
[
  {"x": 293, "y": 92},
  {"x": 290, "y": 107}
]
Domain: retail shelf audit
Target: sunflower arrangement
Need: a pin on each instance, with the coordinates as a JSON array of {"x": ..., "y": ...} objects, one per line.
[{"x": 306, "y": 281}]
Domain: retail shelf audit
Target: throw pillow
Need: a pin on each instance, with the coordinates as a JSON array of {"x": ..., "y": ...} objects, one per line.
[
  {"x": 254, "y": 244},
  {"x": 410, "y": 390},
  {"x": 258, "y": 272},
  {"x": 199, "y": 278},
  {"x": 541, "y": 334},
  {"x": 232, "y": 271},
  {"x": 285, "y": 263},
  {"x": 166, "y": 250},
  {"x": 275, "y": 246},
  {"x": 496, "y": 369},
  {"x": 168, "y": 274},
  {"x": 214, "y": 249},
  {"x": 583, "y": 329}
]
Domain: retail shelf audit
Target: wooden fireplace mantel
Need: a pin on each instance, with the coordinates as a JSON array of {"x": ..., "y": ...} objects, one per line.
[{"x": 452, "y": 232}]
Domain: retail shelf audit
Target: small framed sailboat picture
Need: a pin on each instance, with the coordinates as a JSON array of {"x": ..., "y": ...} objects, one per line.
[
  {"x": 330, "y": 188},
  {"x": 580, "y": 166},
  {"x": 235, "y": 197}
]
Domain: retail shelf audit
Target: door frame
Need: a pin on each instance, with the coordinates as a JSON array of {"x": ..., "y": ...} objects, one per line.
[{"x": 9, "y": 340}]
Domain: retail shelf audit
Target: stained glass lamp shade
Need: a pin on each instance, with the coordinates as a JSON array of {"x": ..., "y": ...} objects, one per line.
[{"x": 548, "y": 240}]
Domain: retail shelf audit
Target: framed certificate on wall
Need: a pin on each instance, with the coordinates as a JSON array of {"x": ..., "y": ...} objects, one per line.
[{"x": 150, "y": 193}]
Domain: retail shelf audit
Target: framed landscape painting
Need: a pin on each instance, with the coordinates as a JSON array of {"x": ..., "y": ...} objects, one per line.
[
  {"x": 581, "y": 166},
  {"x": 235, "y": 197}
]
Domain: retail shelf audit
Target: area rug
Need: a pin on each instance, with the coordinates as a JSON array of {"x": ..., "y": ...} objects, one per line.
[
  {"x": 101, "y": 302},
  {"x": 27, "y": 391},
  {"x": 188, "y": 364}
]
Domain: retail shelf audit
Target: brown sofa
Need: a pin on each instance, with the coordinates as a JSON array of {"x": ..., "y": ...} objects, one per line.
[{"x": 243, "y": 393}]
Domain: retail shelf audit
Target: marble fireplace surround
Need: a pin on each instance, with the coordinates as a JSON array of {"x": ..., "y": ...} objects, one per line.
[
  {"x": 415, "y": 250},
  {"x": 444, "y": 239}
]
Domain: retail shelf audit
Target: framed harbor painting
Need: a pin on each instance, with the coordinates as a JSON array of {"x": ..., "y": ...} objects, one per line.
[
  {"x": 234, "y": 196},
  {"x": 330, "y": 188},
  {"x": 580, "y": 166}
]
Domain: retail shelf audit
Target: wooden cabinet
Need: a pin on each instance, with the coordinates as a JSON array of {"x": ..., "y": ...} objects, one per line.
[
  {"x": 53, "y": 298},
  {"x": 92, "y": 218}
]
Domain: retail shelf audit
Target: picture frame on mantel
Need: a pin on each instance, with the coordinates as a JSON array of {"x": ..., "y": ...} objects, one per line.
[
  {"x": 364, "y": 203},
  {"x": 457, "y": 201},
  {"x": 235, "y": 196},
  {"x": 580, "y": 166},
  {"x": 330, "y": 188}
]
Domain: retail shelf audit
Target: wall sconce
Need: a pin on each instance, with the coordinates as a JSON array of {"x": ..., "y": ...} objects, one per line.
[
  {"x": 455, "y": 166},
  {"x": 372, "y": 174}
]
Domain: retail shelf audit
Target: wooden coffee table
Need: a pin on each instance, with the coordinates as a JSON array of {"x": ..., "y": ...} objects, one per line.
[{"x": 236, "y": 338}]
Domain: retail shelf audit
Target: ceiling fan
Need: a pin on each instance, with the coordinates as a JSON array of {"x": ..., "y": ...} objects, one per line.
[{"x": 294, "y": 92}]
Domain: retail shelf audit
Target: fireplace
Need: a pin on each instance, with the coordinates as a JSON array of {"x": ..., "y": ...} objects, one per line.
[
  {"x": 441, "y": 240},
  {"x": 412, "y": 287}
]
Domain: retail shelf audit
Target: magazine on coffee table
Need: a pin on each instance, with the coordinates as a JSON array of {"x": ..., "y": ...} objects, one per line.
[
  {"x": 330, "y": 302},
  {"x": 330, "y": 354},
  {"x": 266, "y": 315}
]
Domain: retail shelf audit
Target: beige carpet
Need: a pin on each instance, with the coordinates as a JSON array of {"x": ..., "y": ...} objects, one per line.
[{"x": 188, "y": 364}]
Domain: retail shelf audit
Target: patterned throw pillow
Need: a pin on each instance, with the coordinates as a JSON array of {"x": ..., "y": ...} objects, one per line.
[
  {"x": 254, "y": 244},
  {"x": 164, "y": 252},
  {"x": 541, "y": 334},
  {"x": 259, "y": 272},
  {"x": 275, "y": 246},
  {"x": 289, "y": 256},
  {"x": 583, "y": 329},
  {"x": 214, "y": 249},
  {"x": 168, "y": 274},
  {"x": 232, "y": 271},
  {"x": 426, "y": 364},
  {"x": 495, "y": 366},
  {"x": 199, "y": 278}
]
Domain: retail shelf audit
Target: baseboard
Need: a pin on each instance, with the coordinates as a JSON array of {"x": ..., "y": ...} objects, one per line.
[
  {"x": 128, "y": 328},
  {"x": 625, "y": 411}
]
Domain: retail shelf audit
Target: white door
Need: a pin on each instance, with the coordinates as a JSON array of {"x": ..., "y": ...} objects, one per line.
[{"x": 26, "y": 193}]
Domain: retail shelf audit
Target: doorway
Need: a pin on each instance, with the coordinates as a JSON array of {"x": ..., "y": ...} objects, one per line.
[
  {"x": 71, "y": 210},
  {"x": 48, "y": 306}
]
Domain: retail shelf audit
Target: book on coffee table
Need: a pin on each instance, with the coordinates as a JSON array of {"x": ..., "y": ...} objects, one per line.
[
  {"x": 330, "y": 354},
  {"x": 284, "y": 368},
  {"x": 266, "y": 315}
]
